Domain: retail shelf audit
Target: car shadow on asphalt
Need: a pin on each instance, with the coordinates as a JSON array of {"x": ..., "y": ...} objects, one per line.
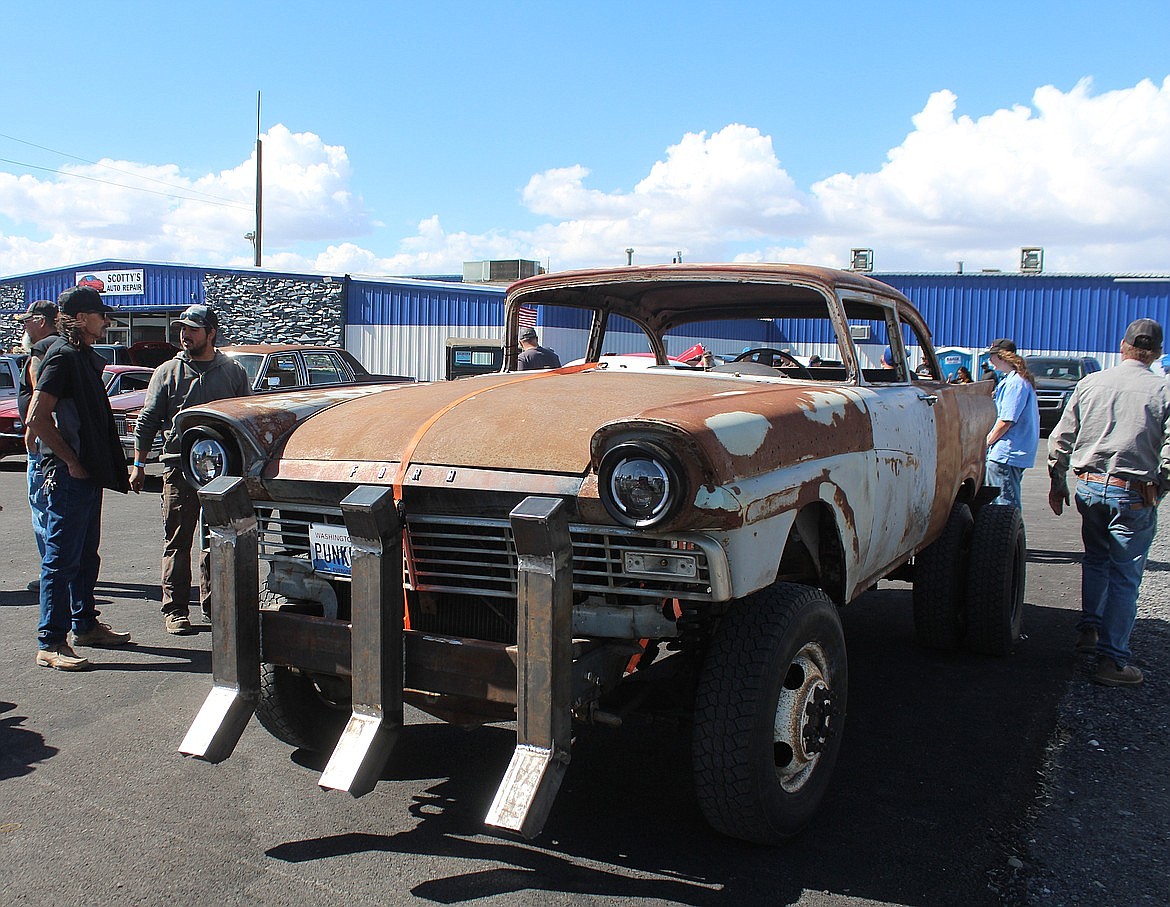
[{"x": 935, "y": 777}]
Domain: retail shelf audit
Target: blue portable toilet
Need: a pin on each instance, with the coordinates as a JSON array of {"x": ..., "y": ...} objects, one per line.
[{"x": 951, "y": 359}]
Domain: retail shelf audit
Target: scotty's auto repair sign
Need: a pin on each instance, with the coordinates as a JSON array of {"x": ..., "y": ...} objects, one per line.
[{"x": 113, "y": 283}]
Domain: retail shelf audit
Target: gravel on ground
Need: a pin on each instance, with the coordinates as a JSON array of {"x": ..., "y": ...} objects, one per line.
[{"x": 1099, "y": 832}]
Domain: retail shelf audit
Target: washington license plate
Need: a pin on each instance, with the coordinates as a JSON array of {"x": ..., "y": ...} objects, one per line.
[{"x": 330, "y": 549}]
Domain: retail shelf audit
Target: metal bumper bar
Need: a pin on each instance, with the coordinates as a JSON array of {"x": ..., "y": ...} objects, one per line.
[
  {"x": 543, "y": 665},
  {"x": 235, "y": 646}
]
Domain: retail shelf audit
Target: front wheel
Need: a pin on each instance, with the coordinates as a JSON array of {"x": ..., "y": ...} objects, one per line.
[
  {"x": 305, "y": 712},
  {"x": 769, "y": 710}
]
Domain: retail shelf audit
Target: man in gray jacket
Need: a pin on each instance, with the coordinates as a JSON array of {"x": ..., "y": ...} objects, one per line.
[{"x": 198, "y": 374}]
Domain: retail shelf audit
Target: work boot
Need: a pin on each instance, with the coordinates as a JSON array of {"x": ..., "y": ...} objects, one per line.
[
  {"x": 1110, "y": 674},
  {"x": 101, "y": 635},
  {"x": 178, "y": 624},
  {"x": 34, "y": 585},
  {"x": 1087, "y": 640},
  {"x": 61, "y": 658}
]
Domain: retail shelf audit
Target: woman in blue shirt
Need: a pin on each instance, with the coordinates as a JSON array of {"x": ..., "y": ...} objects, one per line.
[{"x": 1012, "y": 441}]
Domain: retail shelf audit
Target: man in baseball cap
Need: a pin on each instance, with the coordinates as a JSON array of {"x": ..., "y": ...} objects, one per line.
[
  {"x": 1113, "y": 434},
  {"x": 199, "y": 316},
  {"x": 42, "y": 308},
  {"x": 82, "y": 300}
]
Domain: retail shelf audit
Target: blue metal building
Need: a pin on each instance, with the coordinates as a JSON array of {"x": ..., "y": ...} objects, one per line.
[
  {"x": 1045, "y": 314},
  {"x": 400, "y": 325}
]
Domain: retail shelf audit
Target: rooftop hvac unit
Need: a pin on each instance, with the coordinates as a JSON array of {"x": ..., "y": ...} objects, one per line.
[
  {"x": 504, "y": 271},
  {"x": 1032, "y": 260},
  {"x": 861, "y": 259}
]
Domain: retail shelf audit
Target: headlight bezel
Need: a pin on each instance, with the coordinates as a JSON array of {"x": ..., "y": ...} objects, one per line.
[
  {"x": 664, "y": 467},
  {"x": 194, "y": 444}
]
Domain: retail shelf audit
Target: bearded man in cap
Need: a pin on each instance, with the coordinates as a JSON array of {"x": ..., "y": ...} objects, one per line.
[
  {"x": 199, "y": 373},
  {"x": 70, "y": 420},
  {"x": 1115, "y": 435}
]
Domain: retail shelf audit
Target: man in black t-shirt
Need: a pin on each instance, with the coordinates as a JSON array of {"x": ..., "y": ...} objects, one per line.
[{"x": 70, "y": 420}]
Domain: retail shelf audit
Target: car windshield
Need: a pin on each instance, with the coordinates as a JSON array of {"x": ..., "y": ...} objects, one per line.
[
  {"x": 789, "y": 335},
  {"x": 251, "y": 363},
  {"x": 1066, "y": 369}
]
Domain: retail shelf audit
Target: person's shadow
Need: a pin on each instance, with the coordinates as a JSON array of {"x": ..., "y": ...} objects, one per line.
[{"x": 20, "y": 748}]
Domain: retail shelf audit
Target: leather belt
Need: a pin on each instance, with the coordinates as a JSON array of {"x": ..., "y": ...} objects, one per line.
[{"x": 1127, "y": 484}]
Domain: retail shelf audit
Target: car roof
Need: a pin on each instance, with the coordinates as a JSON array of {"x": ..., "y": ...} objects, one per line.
[{"x": 265, "y": 348}]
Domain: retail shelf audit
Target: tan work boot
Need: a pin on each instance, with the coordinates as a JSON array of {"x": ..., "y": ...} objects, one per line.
[
  {"x": 101, "y": 635},
  {"x": 61, "y": 658},
  {"x": 1109, "y": 674},
  {"x": 178, "y": 624}
]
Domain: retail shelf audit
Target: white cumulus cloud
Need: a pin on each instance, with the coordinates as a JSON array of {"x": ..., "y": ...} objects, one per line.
[{"x": 1082, "y": 174}]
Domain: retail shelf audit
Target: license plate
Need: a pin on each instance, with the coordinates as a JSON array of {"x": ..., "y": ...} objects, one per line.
[{"x": 330, "y": 549}]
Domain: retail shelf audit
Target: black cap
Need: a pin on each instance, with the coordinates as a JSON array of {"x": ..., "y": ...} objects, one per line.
[
  {"x": 1144, "y": 334},
  {"x": 76, "y": 300},
  {"x": 1003, "y": 344},
  {"x": 528, "y": 334},
  {"x": 43, "y": 307},
  {"x": 199, "y": 316}
]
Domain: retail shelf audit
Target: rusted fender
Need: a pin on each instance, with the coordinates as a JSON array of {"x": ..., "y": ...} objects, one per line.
[{"x": 263, "y": 421}]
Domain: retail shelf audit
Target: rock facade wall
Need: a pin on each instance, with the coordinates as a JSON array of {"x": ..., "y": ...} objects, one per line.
[{"x": 254, "y": 309}]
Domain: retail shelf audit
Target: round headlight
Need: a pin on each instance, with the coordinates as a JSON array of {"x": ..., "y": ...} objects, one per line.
[
  {"x": 640, "y": 484},
  {"x": 207, "y": 456}
]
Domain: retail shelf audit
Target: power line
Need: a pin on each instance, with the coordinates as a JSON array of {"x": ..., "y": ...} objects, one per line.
[
  {"x": 216, "y": 198},
  {"x": 94, "y": 179}
]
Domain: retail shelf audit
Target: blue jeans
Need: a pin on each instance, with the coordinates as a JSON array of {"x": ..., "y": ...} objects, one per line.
[
  {"x": 36, "y": 500},
  {"x": 69, "y": 569},
  {"x": 1008, "y": 478},
  {"x": 1117, "y": 530}
]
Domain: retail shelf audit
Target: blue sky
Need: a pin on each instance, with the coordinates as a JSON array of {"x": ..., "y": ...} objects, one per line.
[{"x": 407, "y": 137}]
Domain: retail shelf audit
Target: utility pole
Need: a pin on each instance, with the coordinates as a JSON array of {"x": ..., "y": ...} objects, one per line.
[{"x": 259, "y": 239}]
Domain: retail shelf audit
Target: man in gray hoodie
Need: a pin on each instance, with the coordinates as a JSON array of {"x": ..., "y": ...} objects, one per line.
[{"x": 198, "y": 374}]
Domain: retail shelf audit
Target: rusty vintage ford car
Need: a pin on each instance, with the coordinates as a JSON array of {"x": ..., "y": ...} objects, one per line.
[{"x": 589, "y": 543}]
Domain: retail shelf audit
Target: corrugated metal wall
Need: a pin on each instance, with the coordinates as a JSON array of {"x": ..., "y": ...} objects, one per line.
[
  {"x": 1044, "y": 314},
  {"x": 165, "y": 286},
  {"x": 400, "y": 327}
]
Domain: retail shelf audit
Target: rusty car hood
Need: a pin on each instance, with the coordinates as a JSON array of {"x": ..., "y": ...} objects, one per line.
[{"x": 545, "y": 422}]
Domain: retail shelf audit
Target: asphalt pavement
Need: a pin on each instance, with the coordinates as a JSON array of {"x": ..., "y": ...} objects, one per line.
[{"x": 939, "y": 766}]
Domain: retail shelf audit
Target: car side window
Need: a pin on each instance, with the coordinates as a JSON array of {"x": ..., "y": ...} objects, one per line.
[
  {"x": 324, "y": 368},
  {"x": 281, "y": 371}
]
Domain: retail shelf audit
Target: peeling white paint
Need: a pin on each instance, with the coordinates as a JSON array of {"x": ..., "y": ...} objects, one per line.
[
  {"x": 823, "y": 406},
  {"x": 741, "y": 433},
  {"x": 717, "y": 499}
]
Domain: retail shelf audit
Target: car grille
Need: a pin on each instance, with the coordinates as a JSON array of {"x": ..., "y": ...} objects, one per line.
[
  {"x": 1052, "y": 400},
  {"x": 476, "y": 556}
]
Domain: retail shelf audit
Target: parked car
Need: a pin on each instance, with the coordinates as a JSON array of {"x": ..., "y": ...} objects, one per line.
[
  {"x": 121, "y": 379},
  {"x": 10, "y": 365},
  {"x": 1056, "y": 376},
  {"x": 148, "y": 353},
  {"x": 118, "y": 380},
  {"x": 271, "y": 368},
  {"x": 586, "y": 544}
]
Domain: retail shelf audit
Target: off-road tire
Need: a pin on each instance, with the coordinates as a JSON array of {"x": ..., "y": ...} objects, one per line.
[
  {"x": 940, "y": 584},
  {"x": 786, "y": 638},
  {"x": 995, "y": 587},
  {"x": 292, "y": 708}
]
